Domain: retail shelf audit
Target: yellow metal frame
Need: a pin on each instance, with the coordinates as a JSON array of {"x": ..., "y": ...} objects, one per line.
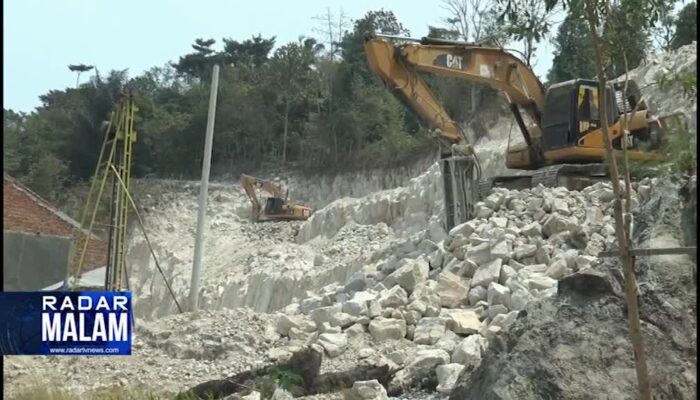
[{"x": 114, "y": 161}]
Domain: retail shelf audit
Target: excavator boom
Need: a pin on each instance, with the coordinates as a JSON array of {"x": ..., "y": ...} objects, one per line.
[{"x": 398, "y": 66}]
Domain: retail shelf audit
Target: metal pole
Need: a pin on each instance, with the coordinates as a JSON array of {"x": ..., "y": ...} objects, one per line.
[{"x": 197, "y": 263}]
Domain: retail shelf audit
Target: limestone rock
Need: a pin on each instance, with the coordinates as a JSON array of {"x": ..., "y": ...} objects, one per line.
[
  {"x": 325, "y": 314},
  {"x": 482, "y": 211},
  {"x": 254, "y": 395},
  {"x": 310, "y": 303},
  {"x": 409, "y": 275},
  {"x": 519, "y": 299},
  {"x": 494, "y": 200},
  {"x": 491, "y": 331},
  {"x": 464, "y": 322},
  {"x": 356, "y": 283},
  {"x": 355, "y": 330},
  {"x": 558, "y": 269},
  {"x": 451, "y": 290},
  {"x": 334, "y": 343},
  {"x": 488, "y": 273},
  {"x": 286, "y": 322},
  {"x": 447, "y": 375},
  {"x": 387, "y": 329},
  {"x": 342, "y": 320},
  {"x": 476, "y": 294},
  {"x": 448, "y": 341},
  {"x": 464, "y": 229},
  {"x": 496, "y": 310},
  {"x": 498, "y": 294},
  {"x": 394, "y": 297},
  {"x": 524, "y": 251},
  {"x": 368, "y": 390},
  {"x": 502, "y": 249},
  {"x": 554, "y": 224},
  {"x": 505, "y": 320},
  {"x": 507, "y": 272},
  {"x": 429, "y": 330},
  {"x": 423, "y": 365},
  {"x": 540, "y": 282},
  {"x": 468, "y": 352},
  {"x": 281, "y": 394},
  {"x": 355, "y": 308},
  {"x": 480, "y": 254}
]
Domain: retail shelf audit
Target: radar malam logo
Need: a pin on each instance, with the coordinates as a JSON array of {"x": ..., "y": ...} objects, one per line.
[{"x": 65, "y": 323}]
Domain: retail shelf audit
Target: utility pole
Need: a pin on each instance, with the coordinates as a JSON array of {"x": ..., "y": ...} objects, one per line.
[{"x": 201, "y": 216}]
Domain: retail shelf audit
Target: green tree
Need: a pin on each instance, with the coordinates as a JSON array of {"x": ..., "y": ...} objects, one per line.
[
  {"x": 529, "y": 21},
  {"x": 253, "y": 52},
  {"x": 79, "y": 68},
  {"x": 628, "y": 38},
  {"x": 294, "y": 79},
  {"x": 573, "y": 55},
  {"x": 196, "y": 65},
  {"x": 686, "y": 26}
]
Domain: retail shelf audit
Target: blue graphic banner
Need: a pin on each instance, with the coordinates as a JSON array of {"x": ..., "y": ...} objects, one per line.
[{"x": 65, "y": 323}]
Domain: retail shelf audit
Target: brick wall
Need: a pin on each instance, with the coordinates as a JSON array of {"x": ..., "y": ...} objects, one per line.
[{"x": 24, "y": 211}]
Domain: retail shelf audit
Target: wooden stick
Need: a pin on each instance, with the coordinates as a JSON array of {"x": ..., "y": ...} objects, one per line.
[{"x": 622, "y": 234}]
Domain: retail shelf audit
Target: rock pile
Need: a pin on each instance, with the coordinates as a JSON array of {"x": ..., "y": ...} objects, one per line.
[
  {"x": 657, "y": 79},
  {"x": 442, "y": 306}
]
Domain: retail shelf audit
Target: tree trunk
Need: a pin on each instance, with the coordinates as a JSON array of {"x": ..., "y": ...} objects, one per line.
[{"x": 620, "y": 231}]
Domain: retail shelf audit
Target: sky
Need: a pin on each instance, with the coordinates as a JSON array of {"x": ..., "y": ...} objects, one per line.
[{"x": 41, "y": 38}]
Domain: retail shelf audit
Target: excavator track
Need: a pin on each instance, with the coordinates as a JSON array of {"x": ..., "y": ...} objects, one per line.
[{"x": 571, "y": 176}]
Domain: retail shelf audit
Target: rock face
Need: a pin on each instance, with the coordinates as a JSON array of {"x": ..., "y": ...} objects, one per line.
[{"x": 548, "y": 353}]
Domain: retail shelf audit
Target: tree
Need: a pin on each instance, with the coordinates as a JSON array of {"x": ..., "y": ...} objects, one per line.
[
  {"x": 528, "y": 21},
  {"x": 474, "y": 20},
  {"x": 665, "y": 32},
  {"x": 197, "y": 64},
  {"x": 573, "y": 55},
  {"x": 253, "y": 52},
  {"x": 627, "y": 38},
  {"x": 291, "y": 67},
  {"x": 686, "y": 29},
  {"x": 79, "y": 68},
  {"x": 332, "y": 28}
]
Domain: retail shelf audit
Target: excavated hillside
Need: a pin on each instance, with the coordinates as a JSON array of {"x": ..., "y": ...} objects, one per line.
[{"x": 515, "y": 304}]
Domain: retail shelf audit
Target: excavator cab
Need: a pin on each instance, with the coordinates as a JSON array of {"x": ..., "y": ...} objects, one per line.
[
  {"x": 571, "y": 112},
  {"x": 274, "y": 206}
]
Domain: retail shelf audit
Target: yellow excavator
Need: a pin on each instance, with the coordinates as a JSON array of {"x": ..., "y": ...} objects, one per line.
[
  {"x": 276, "y": 207},
  {"x": 560, "y": 126}
]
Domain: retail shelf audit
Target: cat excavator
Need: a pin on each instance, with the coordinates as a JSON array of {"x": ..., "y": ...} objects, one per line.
[
  {"x": 562, "y": 139},
  {"x": 276, "y": 207}
]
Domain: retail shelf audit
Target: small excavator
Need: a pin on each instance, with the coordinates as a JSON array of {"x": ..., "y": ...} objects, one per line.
[
  {"x": 276, "y": 207},
  {"x": 563, "y": 139}
]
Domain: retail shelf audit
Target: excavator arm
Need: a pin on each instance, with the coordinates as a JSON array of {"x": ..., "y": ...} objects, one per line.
[
  {"x": 250, "y": 183},
  {"x": 404, "y": 82},
  {"x": 398, "y": 66}
]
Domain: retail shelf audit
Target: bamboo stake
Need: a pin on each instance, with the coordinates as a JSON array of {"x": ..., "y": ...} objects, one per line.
[{"x": 620, "y": 231}]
